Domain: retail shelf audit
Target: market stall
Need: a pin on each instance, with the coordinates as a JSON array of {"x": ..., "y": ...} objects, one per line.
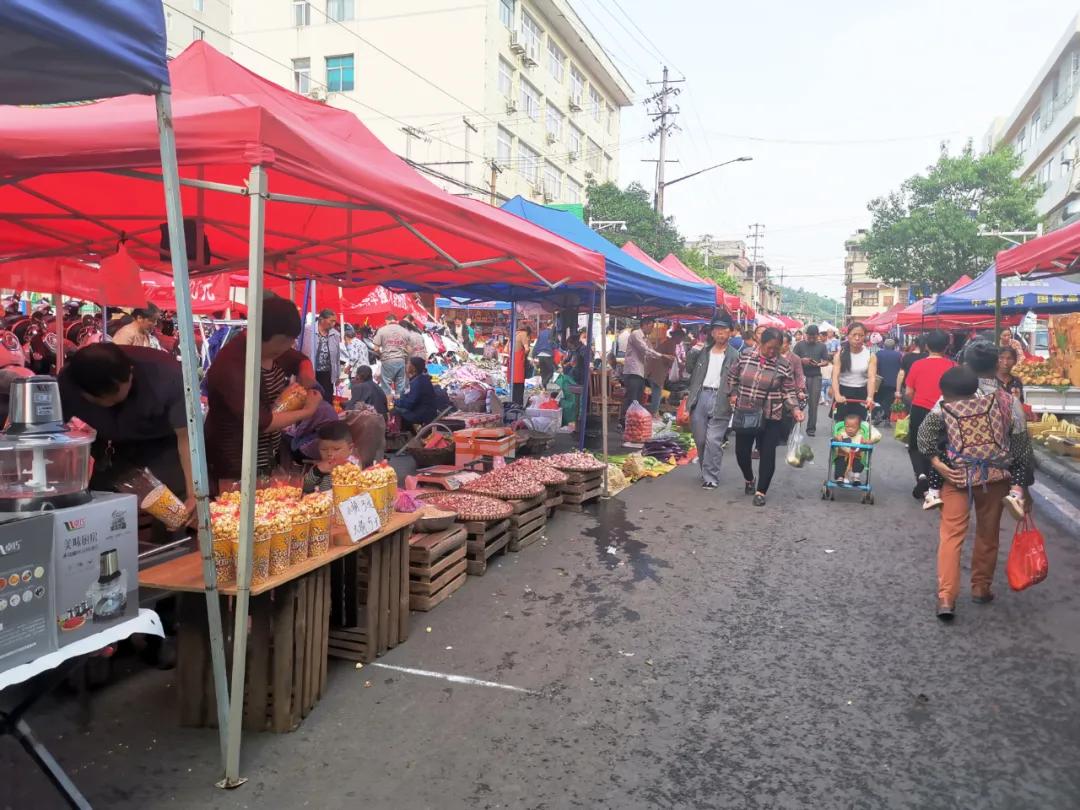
[{"x": 340, "y": 206}]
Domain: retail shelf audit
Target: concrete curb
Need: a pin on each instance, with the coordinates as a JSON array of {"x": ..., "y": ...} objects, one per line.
[{"x": 1061, "y": 472}]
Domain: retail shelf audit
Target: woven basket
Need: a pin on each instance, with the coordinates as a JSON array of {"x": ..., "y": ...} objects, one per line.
[{"x": 425, "y": 457}]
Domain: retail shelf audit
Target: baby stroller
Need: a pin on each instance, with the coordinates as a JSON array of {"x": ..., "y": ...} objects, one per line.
[{"x": 836, "y": 446}]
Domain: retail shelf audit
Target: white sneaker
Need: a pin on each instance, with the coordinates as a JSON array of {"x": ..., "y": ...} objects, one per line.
[
  {"x": 931, "y": 500},
  {"x": 1014, "y": 502}
]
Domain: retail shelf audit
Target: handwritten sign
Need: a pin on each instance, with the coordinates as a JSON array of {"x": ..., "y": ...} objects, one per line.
[{"x": 360, "y": 516}]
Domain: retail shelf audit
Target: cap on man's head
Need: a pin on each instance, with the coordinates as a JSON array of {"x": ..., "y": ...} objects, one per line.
[
  {"x": 391, "y": 318},
  {"x": 326, "y": 314},
  {"x": 722, "y": 320},
  {"x": 812, "y": 329},
  {"x": 349, "y": 330}
]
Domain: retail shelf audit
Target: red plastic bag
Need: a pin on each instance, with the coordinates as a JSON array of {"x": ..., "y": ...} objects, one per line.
[
  {"x": 682, "y": 416},
  {"x": 1027, "y": 564}
]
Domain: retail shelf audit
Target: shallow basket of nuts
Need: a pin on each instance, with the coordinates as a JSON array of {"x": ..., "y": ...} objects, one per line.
[
  {"x": 470, "y": 507},
  {"x": 541, "y": 471},
  {"x": 507, "y": 483}
]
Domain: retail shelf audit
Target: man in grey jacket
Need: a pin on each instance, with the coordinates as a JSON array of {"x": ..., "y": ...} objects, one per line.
[
  {"x": 322, "y": 344},
  {"x": 709, "y": 398}
]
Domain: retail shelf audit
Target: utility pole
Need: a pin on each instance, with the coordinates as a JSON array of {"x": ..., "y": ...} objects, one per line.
[
  {"x": 496, "y": 170},
  {"x": 757, "y": 233},
  {"x": 662, "y": 112}
]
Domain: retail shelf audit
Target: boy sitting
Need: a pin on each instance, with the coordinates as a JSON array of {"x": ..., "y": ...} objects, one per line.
[
  {"x": 850, "y": 463},
  {"x": 335, "y": 448}
]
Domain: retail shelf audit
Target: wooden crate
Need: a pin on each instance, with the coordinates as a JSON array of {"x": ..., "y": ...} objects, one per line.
[
  {"x": 582, "y": 477},
  {"x": 527, "y": 523},
  {"x": 485, "y": 541},
  {"x": 436, "y": 566},
  {"x": 552, "y": 503},
  {"x": 286, "y": 655},
  {"x": 580, "y": 489}
]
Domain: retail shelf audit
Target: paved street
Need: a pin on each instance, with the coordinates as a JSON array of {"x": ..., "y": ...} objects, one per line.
[{"x": 680, "y": 649}]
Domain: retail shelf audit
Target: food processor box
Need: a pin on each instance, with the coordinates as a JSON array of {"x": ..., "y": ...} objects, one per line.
[
  {"x": 27, "y": 629},
  {"x": 96, "y": 565}
]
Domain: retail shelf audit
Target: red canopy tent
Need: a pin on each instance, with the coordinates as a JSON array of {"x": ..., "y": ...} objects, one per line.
[
  {"x": 209, "y": 294},
  {"x": 915, "y": 314},
  {"x": 116, "y": 283},
  {"x": 683, "y": 274},
  {"x": 1055, "y": 253},
  {"x": 884, "y": 321},
  {"x": 78, "y": 179},
  {"x": 732, "y": 303},
  {"x": 789, "y": 322}
]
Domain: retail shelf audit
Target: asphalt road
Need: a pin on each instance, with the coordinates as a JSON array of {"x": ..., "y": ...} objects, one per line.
[{"x": 680, "y": 649}]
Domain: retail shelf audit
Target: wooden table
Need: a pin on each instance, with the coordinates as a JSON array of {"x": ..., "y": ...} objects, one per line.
[{"x": 289, "y": 626}]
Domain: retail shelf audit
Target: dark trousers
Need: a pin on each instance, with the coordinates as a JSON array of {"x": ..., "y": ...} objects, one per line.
[
  {"x": 846, "y": 408},
  {"x": 885, "y": 399},
  {"x": 634, "y": 384},
  {"x": 547, "y": 369},
  {"x": 920, "y": 464},
  {"x": 813, "y": 399},
  {"x": 840, "y": 465},
  {"x": 518, "y": 393},
  {"x": 768, "y": 439},
  {"x": 326, "y": 380}
]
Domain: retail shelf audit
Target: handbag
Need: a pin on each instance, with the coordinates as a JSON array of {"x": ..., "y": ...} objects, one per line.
[
  {"x": 751, "y": 420},
  {"x": 1027, "y": 564}
]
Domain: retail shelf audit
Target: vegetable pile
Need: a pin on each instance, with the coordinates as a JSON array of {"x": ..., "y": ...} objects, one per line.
[
  {"x": 541, "y": 471},
  {"x": 575, "y": 462},
  {"x": 664, "y": 449},
  {"x": 508, "y": 483},
  {"x": 469, "y": 507}
]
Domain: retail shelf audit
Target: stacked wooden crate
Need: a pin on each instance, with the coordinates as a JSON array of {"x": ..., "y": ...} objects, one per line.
[
  {"x": 528, "y": 521},
  {"x": 436, "y": 566}
]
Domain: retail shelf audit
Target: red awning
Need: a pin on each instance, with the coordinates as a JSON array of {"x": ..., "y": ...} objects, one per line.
[
  {"x": 209, "y": 294},
  {"x": 1053, "y": 254},
  {"x": 789, "y": 322},
  {"x": 116, "y": 284},
  {"x": 227, "y": 119}
]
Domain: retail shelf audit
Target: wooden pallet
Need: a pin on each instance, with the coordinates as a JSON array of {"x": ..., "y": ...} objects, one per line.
[
  {"x": 552, "y": 503},
  {"x": 580, "y": 489},
  {"x": 582, "y": 477},
  {"x": 485, "y": 541},
  {"x": 576, "y": 502},
  {"x": 436, "y": 566}
]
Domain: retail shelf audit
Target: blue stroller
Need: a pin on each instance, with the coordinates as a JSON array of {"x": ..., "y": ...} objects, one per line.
[{"x": 863, "y": 485}]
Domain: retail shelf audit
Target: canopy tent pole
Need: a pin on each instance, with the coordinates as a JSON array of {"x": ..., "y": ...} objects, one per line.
[
  {"x": 513, "y": 353},
  {"x": 170, "y": 175},
  {"x": 248, "y": 471},
  {"x": 58, "y": 325},
  {"x": 997, "y": 309},
  {"x": 603, "y": 381},
  {"x": 583, "y": 406}
]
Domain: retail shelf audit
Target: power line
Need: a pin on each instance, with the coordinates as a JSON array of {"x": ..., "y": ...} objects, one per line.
[
  {"x": 853, "y": 142},
  {"x": 656, "y": 50}
]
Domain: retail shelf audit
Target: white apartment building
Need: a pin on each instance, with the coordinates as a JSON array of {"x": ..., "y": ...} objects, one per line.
[
  {"x": 865, "y": 295},
  {"x": 1043, "y": 130},
  {"x": 512, "y": 94}
]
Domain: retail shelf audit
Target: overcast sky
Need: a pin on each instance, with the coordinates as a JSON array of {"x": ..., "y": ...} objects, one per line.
[{"x": 869, "y": 87}]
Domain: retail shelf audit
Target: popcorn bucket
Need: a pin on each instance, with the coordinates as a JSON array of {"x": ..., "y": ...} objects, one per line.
[
  {"x": 319, "y": 540},
  {"x": 260, "y": 556},
  {"x": 224, "y": 558},
  {"x": 342, "y": 492},
  {"x": 298, "y": 541},
  {"x": 279, "y": 553}
]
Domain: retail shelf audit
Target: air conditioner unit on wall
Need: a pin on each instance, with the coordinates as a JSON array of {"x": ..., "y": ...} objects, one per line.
[
  {"x": 317, "y": 93},
  {"x": 516, "y": 45},
  {"x": 571, "y": 156},
  {"x": 531, "y": 57}
]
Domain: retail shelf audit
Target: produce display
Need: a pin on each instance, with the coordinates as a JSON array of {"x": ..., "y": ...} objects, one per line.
[
  {"x": 542, "y": 471},
  {"x": 509, "y": 483},
  {"x": 666, "y": 449},
  {"x": 379, "y": 481},
  {"x": 1040, "y": 373},
  {"x": 575, "y": 462},
  {"x": 638, "y": 424},
  {"x": 468, "y": 506}
]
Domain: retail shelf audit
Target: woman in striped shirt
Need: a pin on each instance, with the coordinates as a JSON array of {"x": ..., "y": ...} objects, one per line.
[{"x": 762, "y": 382}]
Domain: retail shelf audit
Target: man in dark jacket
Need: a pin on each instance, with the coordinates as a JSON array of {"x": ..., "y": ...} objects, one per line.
[
  {"x": 418, "y": 406},
  {"x": 708, "y": 398},
  {"x": 366, "y": 392}
]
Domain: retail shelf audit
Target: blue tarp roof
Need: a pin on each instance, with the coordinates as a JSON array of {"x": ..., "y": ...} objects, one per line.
[
  {"x": 74, "y": 50},
  {"x": 447, "y": 303},
  {"x": 1043, "y": 295},
  {"x": 629, "y": 282}
]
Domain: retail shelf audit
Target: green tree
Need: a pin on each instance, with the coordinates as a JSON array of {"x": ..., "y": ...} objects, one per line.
[
  {"x": 926, "y": 234},
  {"x": 695, "y": 260},
  {"x": 810, "y": 306},
  {"x": 633, "y": 205}
]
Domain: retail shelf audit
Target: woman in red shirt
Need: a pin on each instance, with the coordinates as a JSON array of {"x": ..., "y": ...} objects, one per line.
[{"x": 922, "y": 386}]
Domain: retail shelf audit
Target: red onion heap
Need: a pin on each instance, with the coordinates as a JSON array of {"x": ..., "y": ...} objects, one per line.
[
  {"x": 542, "y": 471},
  {"x": 575, "y": 462},
  {"x": 469, "y": 507},
  {"x": 508, "y": 483}
]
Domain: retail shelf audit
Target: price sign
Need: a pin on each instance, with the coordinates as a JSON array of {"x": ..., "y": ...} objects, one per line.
[{"x": 360, "y": 516}]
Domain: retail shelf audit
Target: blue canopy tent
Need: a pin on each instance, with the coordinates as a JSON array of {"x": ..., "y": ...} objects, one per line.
[
  {"x": 57, "y": 51},
  {"x": 1047, "y": 295}
]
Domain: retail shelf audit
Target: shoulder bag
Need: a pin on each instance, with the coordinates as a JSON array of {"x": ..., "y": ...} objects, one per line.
[{"x": 751, "y": 420}]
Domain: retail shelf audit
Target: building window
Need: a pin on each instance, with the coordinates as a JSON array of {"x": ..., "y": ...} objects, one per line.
[
  {"x": 556, "y": 61},
  {"x": 301, "y": 71},
  {"x": 554, "y": 122},
  {"x": 199, "y": 5},
  {"x": 573, "y": 140},
  {"x": 1035, "y": 125},
  {"x": 595, "y": 103},
  {"x": 594, "y": 158},
  {"x": 577, "y": 85},
  {"x": 610, "y": 111},
  {"x": 506, "y": 78},
  {"x": 887, "y": 300},
  {"x": 573, "y": 191},
  {"x": 197, "y": 33},
  {"x": 530, "y": 100},
  {"x": 530, "y": 163},
  {"x": 301, "y": 13},
  {"x": 503, "y": 143},
  {"x": 339, "y": 73},
  {"x": 531, "y": 33},
  {"x": 1068, "y": 157},
  {"x": 552, "y": 182},
  {"x": 339, "y": 10},
  {"x": 506, "y": 13},
  {"x": 867, "y": 298},
  {"x": 1021, "y": 141}
]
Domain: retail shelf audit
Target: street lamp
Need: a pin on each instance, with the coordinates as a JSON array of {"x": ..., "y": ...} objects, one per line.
[{"x": 663, "y": 184}]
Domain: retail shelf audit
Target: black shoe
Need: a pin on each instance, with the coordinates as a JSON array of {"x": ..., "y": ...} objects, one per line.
[
  {"x": 945, "y": 610},
  {"x": 748, "y": 487},
  {"x": 709, "y": 485},
  {"x": 759, "y": 499}
]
